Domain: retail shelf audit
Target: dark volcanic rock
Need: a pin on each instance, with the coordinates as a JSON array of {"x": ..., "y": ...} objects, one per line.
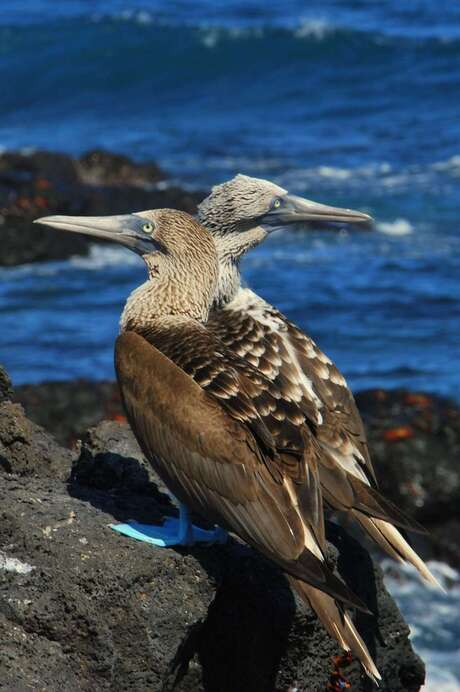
[
  {"x": 98, "y": 611},
  {"x": 36, "y": 185},
  {"x": 83, "y": 608},
  {"x": 110, "y": 459},
  {"x": 42, "y": 183},
  {"x": 6, "y": 389},
  {"x": 68, "y": 409},
  {"x": 415, "y": 444},
  {"x": 28, "y": 450},
  {"x": 99, "y": 167}
]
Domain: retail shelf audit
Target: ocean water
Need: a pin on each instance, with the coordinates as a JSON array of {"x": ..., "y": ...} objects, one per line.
[
  {"x": 434, "y": 619},
  {"x": 351, "y": 103},
  {"x": 347, "y": 102}
]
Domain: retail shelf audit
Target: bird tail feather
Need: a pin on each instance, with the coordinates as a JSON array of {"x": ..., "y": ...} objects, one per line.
[
  {"x": 338, "y": 624},
  {"x": 392, "y": 542}
]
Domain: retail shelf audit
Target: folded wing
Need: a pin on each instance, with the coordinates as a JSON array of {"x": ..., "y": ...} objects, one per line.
[{"x": 215, "y": 463}]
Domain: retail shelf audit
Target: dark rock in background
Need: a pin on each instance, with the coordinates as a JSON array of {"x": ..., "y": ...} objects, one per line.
[
  {"x": 98, "y": 183},
  {"x": 83, "y": 608},
  {"x": 28, "y": 450},
  {"x": 6, "y": 389},
  {"x": 414, "y": 440},
  {"x": 68, "y": 409},
  {"x": 99, "y": 167}
]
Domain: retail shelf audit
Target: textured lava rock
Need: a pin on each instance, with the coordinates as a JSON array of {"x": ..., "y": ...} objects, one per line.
[
  {"x": 83, "y": 608},
  {"x": 28, "y": 450},
  {"x": 110, "y": 459},
  {"x": 6, "y": 389},
  {"x": 43, "y": 183},
  {"x": 68, "y": 409},
  {"x": 414, "y": 439},
  {"x": 98, "y": 611}
]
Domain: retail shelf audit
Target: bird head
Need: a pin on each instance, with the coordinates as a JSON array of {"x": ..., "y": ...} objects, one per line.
[
  {"x": 241, "y": 213},
  {"x": 179, "y": 253},
  {"x": 244, "y": 202}
]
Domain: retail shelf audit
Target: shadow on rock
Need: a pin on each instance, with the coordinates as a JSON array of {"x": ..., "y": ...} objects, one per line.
[
  {"x": 241, "y": 643},
  {"x": 111, "y": 474}
]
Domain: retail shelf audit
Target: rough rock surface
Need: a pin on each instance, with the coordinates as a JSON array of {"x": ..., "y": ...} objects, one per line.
[
  {"x": 6, "y": 389},
  {"x": 43, "y": 183},
  {"x": 414, "y": 439},
  {"x": 98, "y": 611},
  {"x": 83, "y": 608},
  {"x": 28, "y": 450},
  {"x": 68, "y": 409}
]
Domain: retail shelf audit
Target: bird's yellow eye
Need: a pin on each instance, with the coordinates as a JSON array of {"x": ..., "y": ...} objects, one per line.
[
  {"x": 147, "y": 227},
  {"x": 277, "y": 203}
]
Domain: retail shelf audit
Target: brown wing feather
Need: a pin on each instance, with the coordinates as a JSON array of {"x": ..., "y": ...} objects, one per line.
[
  {"x": 342, "y": 426},
  {"x": 346, "y": 473},
  {"x": 248, "y": 395},
  {"x": 263, "y": 335},
  {"x": 252, "y": 398},
  {"x": 338, "y": 623},
  {"x": 212, "y": 462}
]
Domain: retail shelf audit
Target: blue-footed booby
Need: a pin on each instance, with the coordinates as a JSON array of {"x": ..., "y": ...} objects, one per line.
[
  {"x": 240, "y": 214},
  {"x": 233, "y": 445}
]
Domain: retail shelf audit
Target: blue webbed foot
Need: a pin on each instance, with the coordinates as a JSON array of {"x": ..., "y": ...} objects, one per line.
[
  {"x": 173, "y": 532},
  {"x": 169, "y": 533}
]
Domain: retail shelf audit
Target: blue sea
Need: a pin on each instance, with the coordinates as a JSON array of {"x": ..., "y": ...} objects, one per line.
[{"x": 351, "y": 103}]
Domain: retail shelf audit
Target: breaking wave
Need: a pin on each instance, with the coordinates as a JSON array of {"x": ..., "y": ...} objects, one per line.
[
  {"x": 101, "y": 256},
  {"x": 396, "y": 228},
  {"x": 435, "y": 627}
]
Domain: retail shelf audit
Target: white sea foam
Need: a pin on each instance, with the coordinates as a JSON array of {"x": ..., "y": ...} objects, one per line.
[
  {"x": 333, "y": 172},
  {"x": 210, "y": 36},
  {"x": 434, "y": 620},
  {"x": 11, "y": 564},
  {"x": 336, "y": 174},
  {"x": 104, "y": 256},
  {"x": 142, "y": 17},
  {"x": 317, "y": 28},
  {"x": 50, "y": 268},
  {"x": 300, "y": 28},
  {"x": 397, "y": 227},
  {"x": 99, "y": 256},
  {"x": 379, "y": 176},
  {"x": 451, "y": 166},
  {"x": 441, "y": 681}
]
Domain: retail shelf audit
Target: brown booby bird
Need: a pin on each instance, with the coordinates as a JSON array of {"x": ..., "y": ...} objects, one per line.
[
  {"x": 232, "y": 445},
  {"x": 240, "y": 214}
]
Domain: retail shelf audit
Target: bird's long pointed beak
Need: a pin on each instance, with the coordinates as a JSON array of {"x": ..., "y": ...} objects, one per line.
[
  {"x": 293, "y": 209},
  {"x": 126, "y": 229}
]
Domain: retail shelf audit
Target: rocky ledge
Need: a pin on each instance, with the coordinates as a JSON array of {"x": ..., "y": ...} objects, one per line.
[
  {"x": 83, "y": 608},
  {"x": 42, "y": 183}
]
